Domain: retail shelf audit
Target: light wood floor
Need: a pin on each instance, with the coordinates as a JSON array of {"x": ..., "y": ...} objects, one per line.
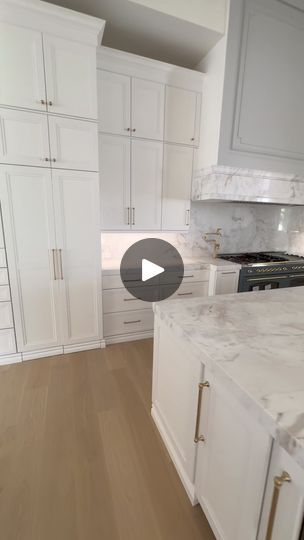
[{"x": 80, "y": 458}]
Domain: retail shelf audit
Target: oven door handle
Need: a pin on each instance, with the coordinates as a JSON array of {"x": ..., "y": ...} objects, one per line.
[
  {"x": 296, "y": 275},
  {"x": 266, "y": 278}
]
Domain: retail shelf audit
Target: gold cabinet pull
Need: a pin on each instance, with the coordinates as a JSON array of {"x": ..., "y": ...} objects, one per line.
[
  {"x": 54, "y": 264},
  {"x": 278, "y": 483},
  {"x": 201, "y": 386},
  {"x": 60, "y": 264}
]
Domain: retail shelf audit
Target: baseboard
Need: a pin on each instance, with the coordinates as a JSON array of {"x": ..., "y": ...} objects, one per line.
[
  {"x": 41, "y": 353},
  {"x": 189, "y": 487},
  {"x": 10, "y": 359},
  {"x": 128, "y": 337},
  {"x": 86, "y": 346}
]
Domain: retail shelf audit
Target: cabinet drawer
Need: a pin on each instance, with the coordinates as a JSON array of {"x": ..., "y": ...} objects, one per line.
[
  {"x": 128, "y": 322},
  {"x": 3, "y": 276},
  {"x": 7, "y": 341},
  {"x": 190, "y": 290},
  {"x": 196, "y": 275},
  {"x": 111, "y": 282},
  {"x": 4, "y": 293},
  {"x": 2, "y": 258},
  {"x": 6, "y": 315},
  {"x": 121, "y": 300}
]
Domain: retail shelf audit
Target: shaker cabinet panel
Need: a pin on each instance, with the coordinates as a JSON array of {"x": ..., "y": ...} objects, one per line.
[
  {"x": 70, "y": 70},
  {"x": 74, "y": 144},
  {"x": 26, "y": 195},
  {"x": 227, "y": 281},
  {"x": 24, "y": 138},
  {"x": 177, "y": 180},
  {"x": 76, "y": 203},
  {"x": 22, "y": 81},
  {"x": 114, "y": 94},
  {"x": 181, "y": 116},
  {"x": 114, "y": 156},
  {"x": 147, "y": 162},
  {"x": 148, "y": 108},
  {"x": 232, "y": 463}
]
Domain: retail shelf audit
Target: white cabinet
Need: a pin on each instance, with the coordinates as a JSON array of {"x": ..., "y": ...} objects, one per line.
[
  {"x": 54, "y": 260},
  {"x": 114, "y": 98},
  {"x": 76, "y": 204},
  {"x": 70, "y": 70},
  {"x": 27, "y": 207},
  {"x": 182, "y": 111},
  {"x": 24, "y": 138},
  {"x": 148, "y": 108},
  {"x": 146, "y": 181},
  {"x": 56, "y": 73},
  {"x": 30, "y": 138},
  {"x": 177, "y": 180},
  {"x": 74, "y": 144},
  {"x": 21, "y": 59},
  {"x": 130, "y": 106},
  {"x": 283, "y": 509},
  {"x": 174, "y": 396},
  {"x": 232, "y": 462},
  {"x": 115, "y": 187},
  {"x": 226, "y": 281}
]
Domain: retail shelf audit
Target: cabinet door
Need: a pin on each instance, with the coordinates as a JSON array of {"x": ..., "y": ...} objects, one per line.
[
  {"x": 232, "y": 464},
  {"x": 27, "y": 206},
  {"x": 176, "y": 375},
  {"x": 115, "y": 188},
  {"x": 146, "y": 185},
  {"x": 181, "y": 116},
  {"x": 21, "y": 67},
  {"x": 177, "y": 180},
  {"x": 76, "y": 200},
  {"x": 24, "y": 138},
  {"x": 148, "y": 108},
  {"x": 74, "y": 144},
  {"x": 114, "y": 94},
  {"x": 283, "y": 516},
  {"x": 226, "y": 282},
  {"x": 70, "y": 70}
]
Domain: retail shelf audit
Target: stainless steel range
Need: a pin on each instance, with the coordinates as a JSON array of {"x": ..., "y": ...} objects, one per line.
[{"x": 267, "y": 270}]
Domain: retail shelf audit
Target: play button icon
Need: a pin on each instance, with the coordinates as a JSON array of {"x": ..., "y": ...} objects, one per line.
[{"x": 151, "y": 270}]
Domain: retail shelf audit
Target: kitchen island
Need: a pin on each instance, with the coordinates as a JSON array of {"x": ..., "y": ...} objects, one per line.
[{"x": 228, "y": 399}]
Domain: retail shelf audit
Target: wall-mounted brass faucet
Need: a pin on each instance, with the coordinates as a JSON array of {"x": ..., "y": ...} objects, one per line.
[{"x": 214, "y": 241}]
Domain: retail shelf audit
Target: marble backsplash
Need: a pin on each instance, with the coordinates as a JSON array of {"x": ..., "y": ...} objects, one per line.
[{"x": 245, "y": 227}]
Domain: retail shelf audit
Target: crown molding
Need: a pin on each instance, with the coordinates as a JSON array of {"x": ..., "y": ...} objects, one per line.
[{"x": 50, "y": 18}]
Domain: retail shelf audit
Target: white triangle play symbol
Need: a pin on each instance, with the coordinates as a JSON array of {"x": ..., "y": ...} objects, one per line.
[{"x": 150, "y": 270}]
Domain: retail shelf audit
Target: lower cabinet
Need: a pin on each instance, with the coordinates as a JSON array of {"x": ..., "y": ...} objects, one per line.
[
  {"x": 174, "y": 397},
  {"x": 52, "y": 238},
  {"x": 226, "y": 281},
  {"x": 283, "y": 511},
  {"x": 232, "y": 461}
]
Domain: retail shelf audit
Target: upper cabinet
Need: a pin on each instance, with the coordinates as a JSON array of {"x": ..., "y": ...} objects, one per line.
[
  {"x": 131, "y": 106},
  {"x": 114, "y": 95},
  {"x": 58, "y": 72},
  {"x": 182, "y": 116},
  {"x": 21, "y": 59},
  {"x": 70, "y": 70},
  {"x": 148, "y": 102}
]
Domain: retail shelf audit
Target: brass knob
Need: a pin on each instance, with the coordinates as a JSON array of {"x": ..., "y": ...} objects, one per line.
[
  {"x": 133, "y": 130},
  {"x": 127, "y": 129},
  {"x": 54, "y": 160},
  {"x": 50, "y": 103},
  {"x": 46, "y": 159},
  {"x": 192, "y": 139},
  {"x": 42, "y": 102}
]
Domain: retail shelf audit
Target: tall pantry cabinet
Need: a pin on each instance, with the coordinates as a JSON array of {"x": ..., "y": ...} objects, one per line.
[{"x": 49, "y": 184}]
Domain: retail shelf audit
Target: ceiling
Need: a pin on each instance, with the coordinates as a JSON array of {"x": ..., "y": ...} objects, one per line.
[{"x": 144, "y": 31}]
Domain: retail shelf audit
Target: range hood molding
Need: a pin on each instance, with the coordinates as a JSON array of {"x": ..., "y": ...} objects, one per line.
[{"x": 230, "y": 184}]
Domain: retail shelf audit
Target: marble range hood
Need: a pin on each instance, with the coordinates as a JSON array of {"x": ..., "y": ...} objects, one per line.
[{"x": 220, "y": 183}]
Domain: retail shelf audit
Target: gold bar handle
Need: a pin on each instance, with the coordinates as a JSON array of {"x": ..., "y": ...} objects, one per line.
[
  {"x": 54, "y": 264},
  {"x": 197, "y": 436},
  {"x": 60, "y": 262},
  {"x": 278, "y": 483}
]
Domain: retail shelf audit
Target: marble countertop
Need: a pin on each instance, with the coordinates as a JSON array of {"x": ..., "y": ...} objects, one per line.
[
  {"x": 255, "y": 343},
  {"x": 112, "y": 266}
]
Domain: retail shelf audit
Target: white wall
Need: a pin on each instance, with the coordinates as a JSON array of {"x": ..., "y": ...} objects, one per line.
[{"x": 208, "y": 13}]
